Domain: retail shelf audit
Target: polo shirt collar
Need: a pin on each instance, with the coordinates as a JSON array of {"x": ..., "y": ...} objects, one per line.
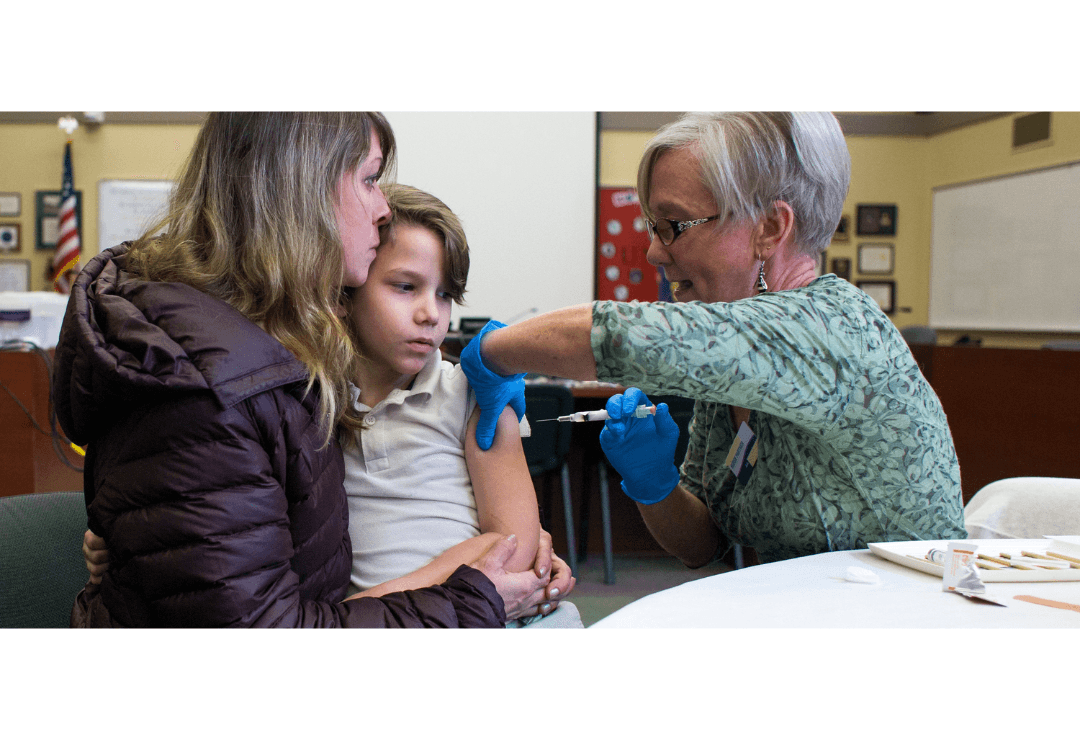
[{"x": 423, "y": 386}]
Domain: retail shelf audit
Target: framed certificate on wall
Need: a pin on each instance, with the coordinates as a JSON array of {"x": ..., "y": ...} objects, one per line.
[
  {"x": 14, "y": 275},
  {"x": 882, "y": 291},
  {"x": 876, "y": 259}
]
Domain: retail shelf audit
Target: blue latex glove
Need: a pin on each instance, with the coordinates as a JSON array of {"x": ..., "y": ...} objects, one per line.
[
  {"x": 642, "y": 450},
  {"x": 493, "y": 391}
]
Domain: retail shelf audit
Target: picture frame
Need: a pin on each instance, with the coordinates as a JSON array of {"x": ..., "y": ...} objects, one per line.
[
  {"x": 843, "y": 229},
  {"x": 875, "y": 220},
  {"x": 876, "y": 259},
  {"x": 10, "y": 238},
  {"x": 47, "y": 218},
  {"x": 10, "y": 205},
  {"x": 15, "y": 275},
  {"x": 841, "y": 267},
  {"x": 882, "y": 291}
]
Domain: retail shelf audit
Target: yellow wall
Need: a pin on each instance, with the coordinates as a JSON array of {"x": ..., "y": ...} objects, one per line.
[
  {"x": 896, "y": 170},
  {"x": 904, "y": 171},
  {"x": 32, "y": 159},
  {"x": 620, "y": 152},
  {"x": 892, "y": 170}
]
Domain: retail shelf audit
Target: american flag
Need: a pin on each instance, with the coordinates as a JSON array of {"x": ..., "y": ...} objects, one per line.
[{"x": 65, "y": 264}]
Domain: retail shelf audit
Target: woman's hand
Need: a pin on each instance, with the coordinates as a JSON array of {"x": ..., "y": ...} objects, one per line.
[
  {"x": 96, "y": 555},
  {"x": 561, "y": 581},
  {"x": 642, "y": 450},
  {"x": 522, "y": 593},
  {"x": 493, "y": 391}
]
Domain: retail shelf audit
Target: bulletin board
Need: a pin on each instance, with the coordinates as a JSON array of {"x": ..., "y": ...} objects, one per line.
[
  {"x": 126, "y": 208},
  {"x": 1004, "y": 253},
  {"x": 622, "y": 271}
]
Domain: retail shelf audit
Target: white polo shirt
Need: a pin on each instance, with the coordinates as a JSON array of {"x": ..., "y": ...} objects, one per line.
[{"x": 409, "y": 491}]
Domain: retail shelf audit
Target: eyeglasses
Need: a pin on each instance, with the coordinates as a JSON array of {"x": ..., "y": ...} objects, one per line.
[{"x": 669, "y": 230}]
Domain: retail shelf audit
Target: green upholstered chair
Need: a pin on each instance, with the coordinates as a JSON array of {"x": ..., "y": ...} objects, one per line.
[{"x": 41, "y": 561}]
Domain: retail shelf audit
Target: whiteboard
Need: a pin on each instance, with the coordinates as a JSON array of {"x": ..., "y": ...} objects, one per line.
[
  {"x": 524, "y": 186},
  {"x": 1005, "y": 253},
  {"x": 126, "y": 208}
]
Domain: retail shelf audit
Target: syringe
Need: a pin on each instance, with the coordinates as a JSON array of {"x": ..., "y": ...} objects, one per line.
[{"x": 640, "y": 412}]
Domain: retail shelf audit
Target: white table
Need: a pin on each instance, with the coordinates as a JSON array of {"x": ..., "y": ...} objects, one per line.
[{"x": 812, "y": 592}]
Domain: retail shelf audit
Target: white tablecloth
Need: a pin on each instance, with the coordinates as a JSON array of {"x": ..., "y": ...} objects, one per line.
[{"x": 812, "y": 592}]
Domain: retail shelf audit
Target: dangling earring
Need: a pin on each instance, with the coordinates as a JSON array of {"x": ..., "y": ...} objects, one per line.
[{"x": 762, "y": 286}]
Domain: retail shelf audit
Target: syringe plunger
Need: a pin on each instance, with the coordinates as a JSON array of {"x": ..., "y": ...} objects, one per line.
[{"x": 602, "y": 415}]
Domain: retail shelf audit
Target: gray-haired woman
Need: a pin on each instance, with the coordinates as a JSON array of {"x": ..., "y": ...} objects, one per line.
[{"x": 813, "y": 429}]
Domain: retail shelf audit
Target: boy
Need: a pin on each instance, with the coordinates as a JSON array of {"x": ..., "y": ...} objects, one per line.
[{"x": 423, "y": 498}]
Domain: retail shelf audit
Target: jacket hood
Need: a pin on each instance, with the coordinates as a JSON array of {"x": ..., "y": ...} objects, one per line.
[{"x": 124, "y": 339}]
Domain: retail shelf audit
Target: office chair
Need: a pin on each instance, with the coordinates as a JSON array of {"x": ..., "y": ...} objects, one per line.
[
  {"x": 546, "y": 450},
  {"x": 919, "y": 335},
  {"x": 1065, "y": 344},
  {"x": 41, "y": 561},
  {"x": 1024, "y": 508}
]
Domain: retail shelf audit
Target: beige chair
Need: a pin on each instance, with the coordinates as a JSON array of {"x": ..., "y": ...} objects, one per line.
[{"x": 1024, "y": 508}]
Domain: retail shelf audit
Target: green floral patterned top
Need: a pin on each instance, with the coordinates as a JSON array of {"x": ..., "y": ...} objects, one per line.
[{"x": 853, "y": 445}]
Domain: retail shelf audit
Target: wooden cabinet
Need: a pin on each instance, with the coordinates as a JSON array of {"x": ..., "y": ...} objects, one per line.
[
  {"x": 29, "y": 463},
  {"x": 1012, "y": 412}
]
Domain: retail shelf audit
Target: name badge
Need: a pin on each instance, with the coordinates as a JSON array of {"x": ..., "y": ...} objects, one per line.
[{"x": 743, "y": 454}]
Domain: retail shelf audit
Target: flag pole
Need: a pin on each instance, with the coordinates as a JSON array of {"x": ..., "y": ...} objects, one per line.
[{"x": 65, "y": 264}]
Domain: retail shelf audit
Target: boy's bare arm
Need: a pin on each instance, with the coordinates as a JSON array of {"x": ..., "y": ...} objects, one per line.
[
  {"x": 505, "y": 497},
  {"x": 505, "y": 503}
]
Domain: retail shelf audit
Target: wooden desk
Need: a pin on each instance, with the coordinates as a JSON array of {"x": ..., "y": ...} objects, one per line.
[{"x": 28, "y": 461}]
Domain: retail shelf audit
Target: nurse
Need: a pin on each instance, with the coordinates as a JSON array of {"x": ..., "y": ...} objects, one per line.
[{"x": 813, "y": 428}]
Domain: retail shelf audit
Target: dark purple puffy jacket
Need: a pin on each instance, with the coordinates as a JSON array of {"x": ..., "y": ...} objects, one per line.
[{"x": 204, "y": 471}]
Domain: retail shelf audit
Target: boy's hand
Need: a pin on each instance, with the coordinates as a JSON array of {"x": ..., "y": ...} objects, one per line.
[
  {"x": 96, "y": 555},
  {"x": 522, "y": 593},
  {"x": 549, "y": 564}
]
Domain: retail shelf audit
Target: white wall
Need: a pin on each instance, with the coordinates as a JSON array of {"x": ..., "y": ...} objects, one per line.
[{"x": 524, "y": 186}]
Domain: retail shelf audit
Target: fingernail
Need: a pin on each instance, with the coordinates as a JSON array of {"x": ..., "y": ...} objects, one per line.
[
  {"x": 554, "y": 592},
  {"x": 512, "y": 538},
  {"x": 543, "y": 572}
]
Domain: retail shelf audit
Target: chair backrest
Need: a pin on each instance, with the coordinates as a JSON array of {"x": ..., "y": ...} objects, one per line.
[
  {"x": 919, "y": 335},
  {"x": 41, "y": 561},
  {"x": 1024, "y": 508},
  {"x": 682, "y": 410},
  {"x": 549, "y": 444}
]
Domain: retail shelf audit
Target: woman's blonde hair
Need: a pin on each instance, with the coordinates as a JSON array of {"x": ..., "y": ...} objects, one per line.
[{"x": 252, "y": 221}]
